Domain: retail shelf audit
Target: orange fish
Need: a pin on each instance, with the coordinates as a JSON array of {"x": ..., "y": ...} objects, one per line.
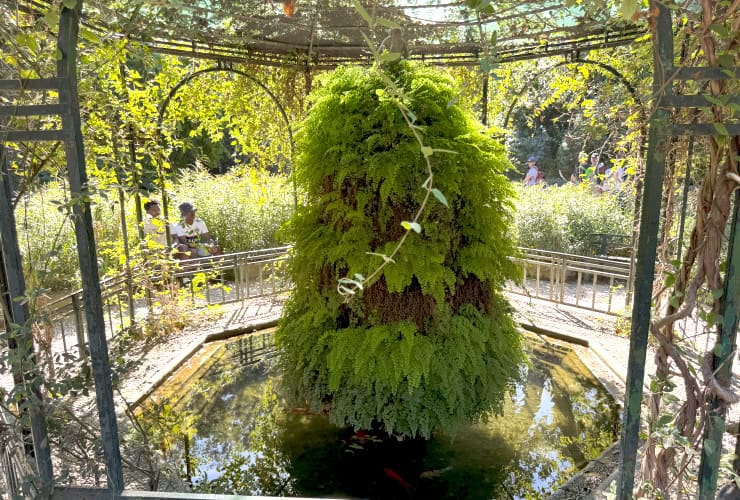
[{"x": 396, "y": 477}]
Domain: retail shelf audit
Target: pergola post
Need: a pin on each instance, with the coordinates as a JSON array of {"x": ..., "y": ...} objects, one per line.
[
  {"x": 722, "y": 358},
  {"x": 646, "y": 251},
  {"x": 20, "y": 343},
  {"x": 67, "y": 74}
]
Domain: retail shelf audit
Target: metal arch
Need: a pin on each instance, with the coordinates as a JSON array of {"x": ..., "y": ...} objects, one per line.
[
  {"x": 215, "y": 69},
  {"x": 228, "y": 69},
  {"x": 619, "y": 76}
]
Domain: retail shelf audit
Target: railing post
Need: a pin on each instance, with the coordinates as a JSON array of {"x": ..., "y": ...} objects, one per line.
[{"x": 13, "y": 288}]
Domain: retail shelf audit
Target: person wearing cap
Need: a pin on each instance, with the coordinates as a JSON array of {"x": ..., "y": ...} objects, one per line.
[
  {"x": 191, "y": 235},
  {"x": 531, "y": 178},
  {"x": 155, "y": 230}
]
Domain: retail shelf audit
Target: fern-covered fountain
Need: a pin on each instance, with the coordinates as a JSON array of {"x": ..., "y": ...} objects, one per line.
[{"x": 428, "y": 344}]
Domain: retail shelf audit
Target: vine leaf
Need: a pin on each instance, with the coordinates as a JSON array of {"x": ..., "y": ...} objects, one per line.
[
  {"x": 721, "y": 129},
  {"x": 427, "y": 151},
  {"x": 389, "y": 56},
  {"x": 408, "y": 226},
  {"x": 438, "y": 194},
  {"x": 387, "y": 23},
  {"x": 360, "y": 10}
]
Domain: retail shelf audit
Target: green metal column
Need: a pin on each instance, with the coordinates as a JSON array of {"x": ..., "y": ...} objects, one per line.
[
  {"x": 646, "y": 251},
  {"x": 67, "y": 73},
  {"x": 21, "y": 342},
  {"x": 724, "y": 354}
]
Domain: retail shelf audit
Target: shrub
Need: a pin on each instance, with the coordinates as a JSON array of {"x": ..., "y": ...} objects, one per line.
[
  {"x": 429, "y": 345},
  {"x": 566, "y": 218}
]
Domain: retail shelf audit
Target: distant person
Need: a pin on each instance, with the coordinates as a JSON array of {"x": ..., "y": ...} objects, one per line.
[
  {"x": 614, "y": 178},
  {"x": 596, "y": 170},
  {"x": 579, "y": 173},
  {"x": 532, "y": 171},
  {"x": 191, "y": 235},
  {"x": 155, "y": 227}
]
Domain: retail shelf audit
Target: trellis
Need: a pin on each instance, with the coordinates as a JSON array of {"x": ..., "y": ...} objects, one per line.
[{"x": 320, "y": 35}]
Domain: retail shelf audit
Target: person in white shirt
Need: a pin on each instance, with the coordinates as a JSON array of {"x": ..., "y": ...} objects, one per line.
[
  {"x": 191, "y": 235},
  {"x": 531, "y": 178},
  {"x": 155, "y": 228}
]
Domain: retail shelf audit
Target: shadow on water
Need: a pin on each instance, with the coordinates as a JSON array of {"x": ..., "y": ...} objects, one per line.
[{"x": 248, "y": 442}]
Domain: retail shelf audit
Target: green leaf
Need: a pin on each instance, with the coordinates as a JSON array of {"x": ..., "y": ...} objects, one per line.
[
  {"x": 720, "y": 29},
  {"x": 408, "y": 226},
  {"x": 721, "y": 129},
  {"x": 70, "y": 4},
  {"x": 387, "y": 23},
  {"x": 361, "y": 11},
  {"x": 52, "y": 18},
  {"x": 665, "y": 420},
  {"x": 674, "y": 301},
  {"x": 427, "y": 151},
  {"x": 670, "y": 280},
  {"x": 714, "y": 100},
  {"x": 438, "y": 194},
  {"x": 717, "y": 293},
  {"x": 59, "y": 55},
  {"x": 726, "y": 60},
  {"x": 389, "y": 56},
  {"x": 629, "y": 8}
]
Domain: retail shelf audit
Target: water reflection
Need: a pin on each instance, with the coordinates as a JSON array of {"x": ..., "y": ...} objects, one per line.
[{"x": 247, "y": 442}]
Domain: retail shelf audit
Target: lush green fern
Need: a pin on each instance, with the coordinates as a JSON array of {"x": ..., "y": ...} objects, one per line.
[{"x": 430, "y": 344}]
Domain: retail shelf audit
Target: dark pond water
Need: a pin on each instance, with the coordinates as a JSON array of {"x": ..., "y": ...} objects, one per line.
[{"x": 247, "y": 442}]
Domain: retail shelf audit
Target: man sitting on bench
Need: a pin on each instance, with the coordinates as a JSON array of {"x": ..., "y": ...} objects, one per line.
[{"x": 192, "y": 239}]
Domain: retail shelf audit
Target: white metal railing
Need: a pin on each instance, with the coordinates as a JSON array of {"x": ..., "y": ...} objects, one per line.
[{"x": 595, "y": 283}]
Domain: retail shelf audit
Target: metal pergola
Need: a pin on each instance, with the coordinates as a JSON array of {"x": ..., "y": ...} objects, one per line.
[{"x": 322, "y": 34}]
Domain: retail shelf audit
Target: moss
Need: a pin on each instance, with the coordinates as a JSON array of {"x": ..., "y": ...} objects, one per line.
[{"x": 429, "y": 345}]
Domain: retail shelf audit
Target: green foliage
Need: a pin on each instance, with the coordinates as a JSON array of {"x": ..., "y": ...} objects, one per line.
[
  {"x": 565, "y": 218},
  {"x": 428, "y": 345}
]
